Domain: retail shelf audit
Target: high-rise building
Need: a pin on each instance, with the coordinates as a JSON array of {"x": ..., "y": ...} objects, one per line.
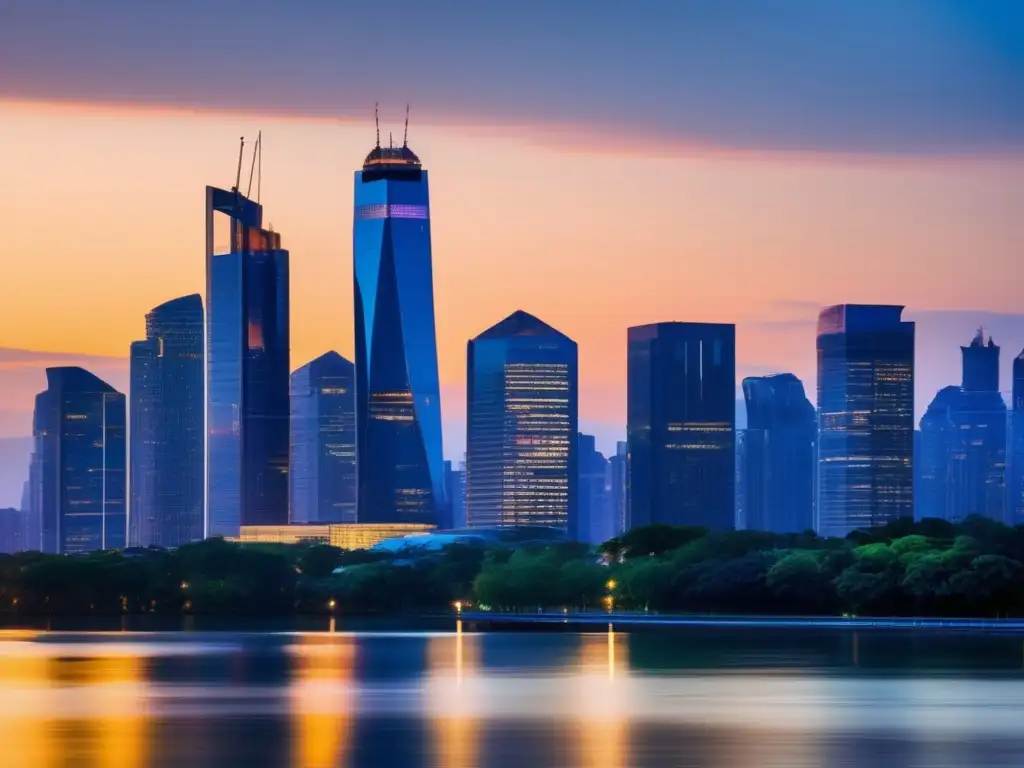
[
  {"x": 865, "y": 417},
  {"x": 1015, "y": 501},
  {"x": 963, "y": 443},
  {"x": 323, "y": 460},
  {"x": 681, "y": 415},
  {"x": 521, "y": 452},
  {"x": 166, "y": 450},
  {"x": 455, "y": 492},
  {"x": 616, "y": 484},
  {"x": 596, "y": 516},
  {"x": 31, "y": 527},
  {"x": 398, "y": 400},
  {"x": 11, "y": 528},
  {"x": 779, "y": 455},
  {"x": 247, "y": 363},
  {"x": 79, "y": 462}
]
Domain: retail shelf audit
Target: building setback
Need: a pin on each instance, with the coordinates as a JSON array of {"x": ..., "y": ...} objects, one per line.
[
  {"x": 79, "y": 463},
  {"x": 865, "y": 417},
  {"x": 522, "y": 413},
  {"x": 166, "y": 451},
  {"x": 323, "y": 441},
  {"x": 681, "y": 424}
]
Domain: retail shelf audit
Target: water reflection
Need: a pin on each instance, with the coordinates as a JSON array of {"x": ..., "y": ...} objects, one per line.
[
  {"x": 322, "y": 700},
  {"x": 602, "y": 722},
  {"x": 452, "y": 687}
]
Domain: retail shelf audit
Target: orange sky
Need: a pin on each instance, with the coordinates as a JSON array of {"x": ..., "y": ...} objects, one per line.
[{"x": 102, "y": 212}]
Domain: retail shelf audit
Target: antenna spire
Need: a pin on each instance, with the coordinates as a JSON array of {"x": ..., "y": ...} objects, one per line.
[
  {"x": 391, "y": 141},
  {"x": 252, "y": 168},
  {"x": 405, "y": 140},
  {"x": 376, "y": 120},
  {"x": 238, "y": 173}
]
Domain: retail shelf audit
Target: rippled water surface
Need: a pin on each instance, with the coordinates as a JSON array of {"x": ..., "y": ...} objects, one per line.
[{"x": 728, "y": 698}]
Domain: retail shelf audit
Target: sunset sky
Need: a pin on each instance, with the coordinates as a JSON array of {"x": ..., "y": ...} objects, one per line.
[{"x": 598, "y": 164}]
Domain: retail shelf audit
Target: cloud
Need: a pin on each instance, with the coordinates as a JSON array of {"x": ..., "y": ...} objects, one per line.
[{"x": 873, "y": 77}]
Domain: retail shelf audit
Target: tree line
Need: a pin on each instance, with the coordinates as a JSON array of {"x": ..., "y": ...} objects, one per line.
[{"x": 928, "y": 568}]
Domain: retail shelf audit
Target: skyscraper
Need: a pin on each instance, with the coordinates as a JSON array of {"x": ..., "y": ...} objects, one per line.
[
  {"x": 865, "y": 417},
  {"x": 323, "y": 460},
  {"x": 681, "y": 424},
  {"x": 398, "y": 401},
  {"x": 1015, "y": 502},
  {"x": 963, "y": 442},
  {"x": 166, "y": 464},
  {"x": 79, "y": 457},
  {"x": 521, "y": 453},
  {"x": 247, "y": 363},
  {"x": 779, "y": 455},
  {"x": 596, "y": 515},
  {"x": 455, "y": 493}
]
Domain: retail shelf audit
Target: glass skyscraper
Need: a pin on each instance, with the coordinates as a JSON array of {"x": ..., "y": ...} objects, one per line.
[
  {"x": 1015, "y": 486},
  {"x": 865, "y": 418},
  {"x": 79, "y": 463},
  {"x": 398, "y": 402},
  {"x": 681, "y": 425},
  {"x": 779, "y": 455},
  {"x": 522, "y": 415},
  {"x": 323, "y": 460},
  {"x": 247, "y": 366},
  {"x": 596, "y": 514},
  {"x": 963, "y": 443},
  {"x": 166, "y": 477}
]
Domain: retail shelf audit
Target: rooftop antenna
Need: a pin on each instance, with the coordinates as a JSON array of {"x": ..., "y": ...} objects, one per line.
[
  {"x": 252, "y": 168},
  {"x": 376, "y": 120},
  {"x": 259, "y": 165},
  {"x": 405, "y": 140},
  {"x": 238, "y": 173},
  {"x": 391, "y": 141}
]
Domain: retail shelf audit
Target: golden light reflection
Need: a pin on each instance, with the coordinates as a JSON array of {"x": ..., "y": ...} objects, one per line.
[
  {"x": 118, "y": 712},
  {"x": 603, "y": 725},
  {"x": 322, "y": 700},
  {"x": 26, "y": 690},
  {"x": 453, "y": 662}
]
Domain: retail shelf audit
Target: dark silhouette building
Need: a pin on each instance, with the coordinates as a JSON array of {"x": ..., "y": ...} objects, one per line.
[
  {"x": 455, "y": 492},
  {"x": 79, "y": 463},
  {"x": 398, "y": 400},
  {"x": 521, "y": 449},
  {"x": 779, "y": 455},
  {"x": 963, "y": 443},
  {"x": 167, "y": 446},
  {"x": 681, "y": 414},
  {"x": 594, "y": 498},
  {"x": 323, "y": 460},
  {"x": 866, "y": 418},
  {"x": 1015, "y": 500},
  {"x": 247, "y": 359},
  {"x": 11, "y": 531},
  {"x": 617, "y": 484}
]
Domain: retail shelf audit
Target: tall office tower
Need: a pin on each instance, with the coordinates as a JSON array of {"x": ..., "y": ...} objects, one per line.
[
  {"x": 681, "y": 424},
  {"x": 398, "y": 401},
  {"x": 166, "y": 463},
  {"x": 594, "y": 500},
  {"x": 865, "y": 418},
  {"x": 79, "y": 431},
  {"x": 454, "y": 511},
  {"x": 1015, "y": 500},
  {"x": 780, "y": 455},
  {"x": 963, "y": 442},
  {"x": 741, "y": 480},
  {"x": 615, "y": 482},
  {"x": 323, "y": 460},
  {"x": 521, "y": 453},
  {"x": 247, "y": 364},
  {"x": 31, "y": 529},
  {"x": 11, "y": 528}
]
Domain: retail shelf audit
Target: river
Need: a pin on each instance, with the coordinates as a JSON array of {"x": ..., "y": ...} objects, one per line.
[{"x": 721, "y": 698}]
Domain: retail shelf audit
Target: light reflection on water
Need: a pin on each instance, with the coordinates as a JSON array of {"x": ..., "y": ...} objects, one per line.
[{"x": 461, "y": 700}]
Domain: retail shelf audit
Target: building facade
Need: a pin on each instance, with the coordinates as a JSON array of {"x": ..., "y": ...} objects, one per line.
[
  {"x": 522, "y": 412},
  {"x": 11, "y": 531},
  {"x": 79, "y": 464},
  {"x": 616, "y": 483},
  {"x": 322, "y": 475},
  {"x": 1015, "y": 486},
  {"x": 963, "y": 443},
  {"x": 779, "y": 455},
  {"x": 596, "y": 513},
  {"x": 865, "y": 418},
  {"x": 340, "y": 535},
  {"x": 166, "y": 452},
  {"x": 455, "y": 491},
  {"x": 247, "y": 360},
  {"x": 398, "y": 401},
  {"x": 681, "y": 424}
]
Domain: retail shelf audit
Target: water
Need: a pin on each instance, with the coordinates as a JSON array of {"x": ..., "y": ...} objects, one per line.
[{"x": 718, "y": 698}]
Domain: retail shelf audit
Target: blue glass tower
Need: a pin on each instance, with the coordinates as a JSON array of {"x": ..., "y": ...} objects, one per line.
[
  {"x": 522, "y": 405},
  {"x": 168, "y": 489},
  {"x": 79, "y": 457},
  {"x": 1015, "y": 484},
  {"x": 865, "y": 418},
  {"x": 323, "y": 460},
  {"x": 398, "y": 402},
  {"x": 247, "y": 367}
]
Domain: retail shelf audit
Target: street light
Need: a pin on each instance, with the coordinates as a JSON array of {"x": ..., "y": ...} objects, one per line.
[{"x": 331, "y": 603}]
